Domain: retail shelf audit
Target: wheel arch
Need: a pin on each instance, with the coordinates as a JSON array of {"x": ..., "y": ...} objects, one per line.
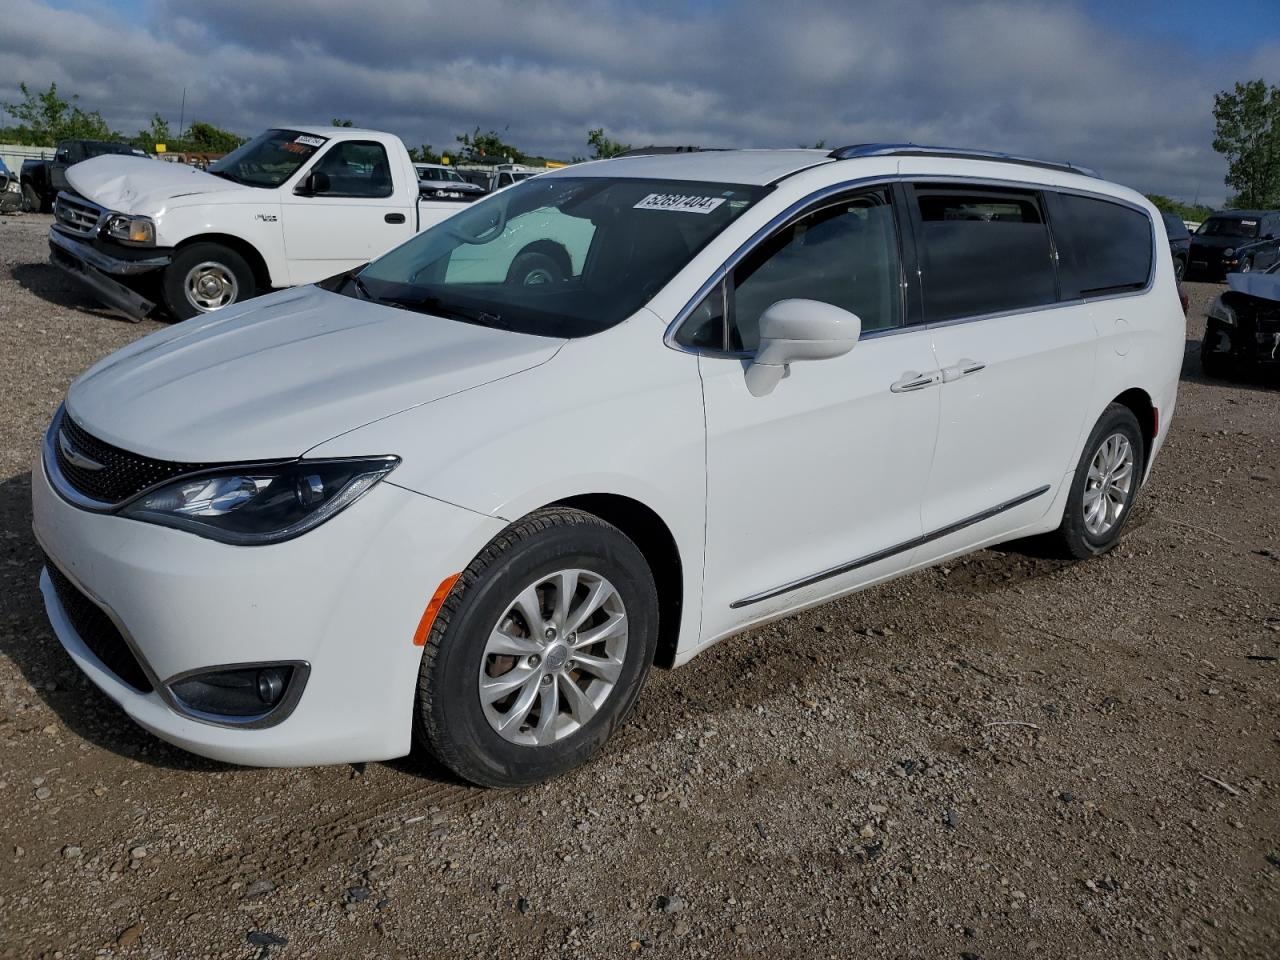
[
  {"x": 552, "y": 248},
  {"x": 257, "y": 263},
  {"x": 1142, "y": 406},
  {"x": 651, "y": 534}
]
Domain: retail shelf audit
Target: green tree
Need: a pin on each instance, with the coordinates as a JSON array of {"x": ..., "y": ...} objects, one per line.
[
  {"x": 487, "y": 147},
  {"x": 157, "y": 132},
  {"x": 1184, "y": 211},
  {"x": 423, "y": 154},
  {"x": 1248, "y": 135},
  {"x": 206, "y": 138},
  {"x": 45, "y": 118},
  {"x": 602, "y": 146},
  {"x": 335, "y": 122}
]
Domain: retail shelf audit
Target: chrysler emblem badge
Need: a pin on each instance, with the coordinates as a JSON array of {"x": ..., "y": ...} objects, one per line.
[{"x": 74, "y": 455}]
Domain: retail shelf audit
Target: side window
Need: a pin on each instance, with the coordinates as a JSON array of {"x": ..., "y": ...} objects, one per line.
[
  {"x": 845, "y": 254},
  {"x": 356, "y": 168},
  {"x": 1104, "y": 247},
  {"x": 704, "y": 327},
  {"x": 983, "y": 252}
]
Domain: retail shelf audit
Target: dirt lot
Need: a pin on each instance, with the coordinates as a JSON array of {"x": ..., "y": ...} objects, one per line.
[{"x": 1006, "y": 757}]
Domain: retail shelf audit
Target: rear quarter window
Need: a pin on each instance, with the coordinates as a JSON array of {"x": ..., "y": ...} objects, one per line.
[{"x": 1103, "y": 247}]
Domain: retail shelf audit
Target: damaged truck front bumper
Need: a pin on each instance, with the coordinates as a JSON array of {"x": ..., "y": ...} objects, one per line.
[{"x": 106, "y": 273}]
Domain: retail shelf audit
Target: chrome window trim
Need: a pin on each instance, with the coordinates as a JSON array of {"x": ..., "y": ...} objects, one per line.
[{"x": 802, "y": 206}]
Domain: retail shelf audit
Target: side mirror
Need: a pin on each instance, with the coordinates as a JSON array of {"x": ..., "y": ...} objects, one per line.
[
  {"x": 313, "y": 183},
  {"x": 792, "y": 330}
]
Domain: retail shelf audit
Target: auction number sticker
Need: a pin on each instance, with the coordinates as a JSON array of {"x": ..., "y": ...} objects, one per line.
[
  {"x": 309, "y": 141},
  {"x": 679, "y": 203}
]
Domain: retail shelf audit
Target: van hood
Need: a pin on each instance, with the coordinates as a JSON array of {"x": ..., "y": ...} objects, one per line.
[
  {"x": 140, "y": 185},
  {"x": 274, "y": 377}
]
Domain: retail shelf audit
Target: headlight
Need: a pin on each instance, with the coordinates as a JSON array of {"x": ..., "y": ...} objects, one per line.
[
  {"x": 13, "y": 187},
  {"x": 1220, "y": 311},
  {"x": 1229, "y": 251},
  {"x": 139, "y": 230},
  {"x": 259, "y": 505}
]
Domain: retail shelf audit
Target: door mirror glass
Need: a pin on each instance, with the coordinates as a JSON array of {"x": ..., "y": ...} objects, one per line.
[{"x": 792, "y": 330}]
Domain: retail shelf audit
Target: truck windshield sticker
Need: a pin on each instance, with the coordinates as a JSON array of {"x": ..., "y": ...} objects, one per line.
[
  {"x": 679, "y": 203},
  {"x": 310, "y": 141},
  {"x": 1250, "y": 223}
]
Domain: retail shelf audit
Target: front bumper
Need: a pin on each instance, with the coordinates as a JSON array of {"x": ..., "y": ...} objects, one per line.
[
  {"x": 1251, "y": 341},
  {"x": 1211, "y": 263},
  {"x": 98, "y": 270},
  {"x": 344, "y": 599}
]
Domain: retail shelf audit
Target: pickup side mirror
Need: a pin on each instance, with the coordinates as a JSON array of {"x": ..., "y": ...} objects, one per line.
[
  {"x": 792, "y": 330},
  {"x": 313, "y": 183}
]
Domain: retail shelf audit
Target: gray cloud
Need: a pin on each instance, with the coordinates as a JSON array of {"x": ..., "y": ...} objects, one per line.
[{"x": 1030, "y": 77}]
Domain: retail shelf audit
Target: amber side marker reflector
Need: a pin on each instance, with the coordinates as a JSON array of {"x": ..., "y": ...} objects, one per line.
[{"x": 433, "y": 608}]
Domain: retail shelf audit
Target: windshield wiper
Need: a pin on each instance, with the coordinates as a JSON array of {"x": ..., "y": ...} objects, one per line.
[
  {"x": 482, "y": 318},
  {"x": 226, "y": 176}
]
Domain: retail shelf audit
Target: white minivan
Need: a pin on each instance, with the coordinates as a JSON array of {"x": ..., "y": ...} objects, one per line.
[{"x": 432, "y": 498}]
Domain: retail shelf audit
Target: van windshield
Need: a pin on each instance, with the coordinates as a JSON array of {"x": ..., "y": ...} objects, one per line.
[
  {"x": 555, "y": 256},
  {"x": 269, "y": 159}
]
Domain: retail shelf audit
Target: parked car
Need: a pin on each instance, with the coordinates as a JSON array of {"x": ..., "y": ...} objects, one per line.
[
  {"x": 10, "y": 190},
  {"x": 458, "y": 503},
  {"x": 1179, "y": 243},
  {"x": 1242, "y": 330},
  {"x": 1235, "y": 241},
  {"x": 291, "y": 206},
  {"x": 445, "y": 183},
  {"x": 43, "y": 179}
]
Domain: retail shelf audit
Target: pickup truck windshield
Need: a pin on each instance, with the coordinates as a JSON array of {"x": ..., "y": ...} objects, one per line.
[
  {"x": 269, "y": 159},
  {"x": 556, "y": 256},
  {"x": 1228, "y": 227}
]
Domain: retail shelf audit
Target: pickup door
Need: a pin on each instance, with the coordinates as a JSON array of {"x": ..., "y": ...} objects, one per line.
[{"x": 358, "y": 212}]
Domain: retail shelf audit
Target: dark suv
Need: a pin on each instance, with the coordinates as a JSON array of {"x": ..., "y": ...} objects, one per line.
[
  {"x": 1179, "y": 243},
  {"x": 1234, "y": 241}
]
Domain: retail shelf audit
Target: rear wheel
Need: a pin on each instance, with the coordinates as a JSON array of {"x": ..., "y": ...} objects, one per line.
[
  {"x": 205, "y": 277},
  {"x": 1105, "y": 485},
  {"x": 539, "y": 651},
  {"x": 30, "y": 199}
]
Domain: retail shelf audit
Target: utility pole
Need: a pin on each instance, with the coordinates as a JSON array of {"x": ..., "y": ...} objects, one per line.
[{"x": 182, "y": 117}]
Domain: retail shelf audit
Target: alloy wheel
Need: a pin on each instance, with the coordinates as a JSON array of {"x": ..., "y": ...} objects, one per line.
[
  {"x": 1110, "y": 481},
  {"x": 553, "y": 658}
]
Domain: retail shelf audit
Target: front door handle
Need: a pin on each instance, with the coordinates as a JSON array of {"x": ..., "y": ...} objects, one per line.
[
  {"x": 964, "y": 368},
  {"x": 394, "y": 218},
  {"x": 911, "y": 381}
]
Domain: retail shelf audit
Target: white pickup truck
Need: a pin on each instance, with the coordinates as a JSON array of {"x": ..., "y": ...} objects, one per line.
[{"x": 292, "y": 206}]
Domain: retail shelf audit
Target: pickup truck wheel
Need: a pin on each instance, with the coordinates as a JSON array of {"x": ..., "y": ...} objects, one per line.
[
  {"x": 205, "y": 277},
  {"x": 533, "y": 268},
  {"x": 30, "y": 199},
  {"x": 1179, "y": 268}
]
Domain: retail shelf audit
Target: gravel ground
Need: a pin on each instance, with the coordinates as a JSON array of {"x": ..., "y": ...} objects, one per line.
[{"x": 1009, "y": 756}]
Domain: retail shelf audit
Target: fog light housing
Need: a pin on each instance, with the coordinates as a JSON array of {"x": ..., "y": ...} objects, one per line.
[{"x": 244, "y": 695}]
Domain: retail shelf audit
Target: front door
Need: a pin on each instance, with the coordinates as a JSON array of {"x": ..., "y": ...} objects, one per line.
[
  {"x": 814, "y": 488},
  {"x": 356, "y": 216}
]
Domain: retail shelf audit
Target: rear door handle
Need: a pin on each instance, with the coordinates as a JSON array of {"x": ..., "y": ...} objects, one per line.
[
  {"x": 964, "y": 368},
  {"x": 911, "y": 381},
  {"x": 394, "y": 218}
]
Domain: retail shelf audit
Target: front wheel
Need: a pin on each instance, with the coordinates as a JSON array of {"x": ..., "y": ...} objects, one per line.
[
  {"x": 539, "y": 651},
  {"x": 205, "y": 277},
  {"x": 1179, "y": 268},
  {"x": 1105, "y": 485},
  {"x": 30, "y": 199}
]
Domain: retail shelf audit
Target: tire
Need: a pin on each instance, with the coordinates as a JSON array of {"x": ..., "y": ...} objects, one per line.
[
  {"x": 1077, "y": 536},
  {"x": 30, "y": 199},
  {"x": 462, "y": 732},
  {"x": 1179, "y": 268},
  {"x": 534, "y": 267},
  {"x": 231, "y": 280},
  {"x": 1213, "y": 362}
]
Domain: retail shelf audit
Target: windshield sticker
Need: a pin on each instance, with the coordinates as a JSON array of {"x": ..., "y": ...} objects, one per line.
[
  {"x": 1250, "y": 223},
  {"x": 310, "y": 141},
  {"x": 679, "y": 203}
]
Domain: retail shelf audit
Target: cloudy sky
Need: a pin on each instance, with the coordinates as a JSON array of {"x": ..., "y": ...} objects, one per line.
[{"x": 1125, "y": 86}]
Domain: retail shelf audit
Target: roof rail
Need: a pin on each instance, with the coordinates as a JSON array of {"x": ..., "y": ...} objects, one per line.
[
  {"x": 856, "y": 150},
  {"x": 654, "y": 151}
]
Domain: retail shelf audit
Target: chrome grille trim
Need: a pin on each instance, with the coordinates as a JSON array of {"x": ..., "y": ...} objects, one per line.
[{"x": 79, "y": 216}]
